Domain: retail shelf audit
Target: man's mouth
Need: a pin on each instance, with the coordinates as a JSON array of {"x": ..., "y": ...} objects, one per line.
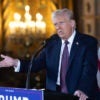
[{"x": 60, "y": 32}]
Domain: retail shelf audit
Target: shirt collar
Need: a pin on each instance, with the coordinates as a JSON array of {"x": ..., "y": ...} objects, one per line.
[{"x": 71, "y": 38}]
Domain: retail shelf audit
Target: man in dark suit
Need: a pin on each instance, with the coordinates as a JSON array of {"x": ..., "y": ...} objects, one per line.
[{"x": 82, "y": 61}]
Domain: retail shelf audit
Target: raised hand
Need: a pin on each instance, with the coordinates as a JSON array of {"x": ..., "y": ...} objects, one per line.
[{"x": 8, "y": 61}]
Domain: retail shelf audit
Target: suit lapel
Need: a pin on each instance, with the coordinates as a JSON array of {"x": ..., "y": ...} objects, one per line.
[
  {"x": 57, "y": 54},
  {"x": 74, "y": 49}
]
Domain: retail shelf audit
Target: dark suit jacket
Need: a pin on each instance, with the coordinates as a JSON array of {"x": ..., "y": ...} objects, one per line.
[{"x": 82, "y": 69}]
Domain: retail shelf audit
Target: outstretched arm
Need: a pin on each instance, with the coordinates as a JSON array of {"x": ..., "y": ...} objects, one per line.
[{"x": 8, "y": 61}]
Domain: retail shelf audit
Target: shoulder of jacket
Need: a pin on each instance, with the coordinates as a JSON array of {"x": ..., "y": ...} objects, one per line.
[{"x": 87, "y": 37}]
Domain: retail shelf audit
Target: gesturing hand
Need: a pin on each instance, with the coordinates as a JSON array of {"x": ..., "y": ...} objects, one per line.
[{"x": 8, "y": 61}]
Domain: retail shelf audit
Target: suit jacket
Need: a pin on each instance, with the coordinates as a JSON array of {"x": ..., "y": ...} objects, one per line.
[{"x": 82, "y": 68}]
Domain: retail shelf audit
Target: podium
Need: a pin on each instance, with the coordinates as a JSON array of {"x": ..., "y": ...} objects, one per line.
[
  {"x": 58, "y": 96},
  {"x": 7, "y": 93}
]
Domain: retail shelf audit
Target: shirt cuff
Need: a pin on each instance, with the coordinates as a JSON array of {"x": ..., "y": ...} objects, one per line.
[{"x": 17, "y": 68}]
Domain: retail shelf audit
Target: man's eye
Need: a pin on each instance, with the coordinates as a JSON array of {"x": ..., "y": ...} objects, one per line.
[
  {"x": 55, "y": 24},
  {"x": 61, "y": 22}
]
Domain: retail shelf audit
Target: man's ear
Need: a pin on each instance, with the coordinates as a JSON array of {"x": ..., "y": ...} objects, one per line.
[{"x": 73, "y": 23}]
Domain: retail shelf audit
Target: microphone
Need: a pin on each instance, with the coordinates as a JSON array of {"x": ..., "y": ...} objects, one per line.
[{"x": 44, "y": 43}]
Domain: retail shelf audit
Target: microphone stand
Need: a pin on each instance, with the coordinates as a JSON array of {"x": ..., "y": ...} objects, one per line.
[
  {"x": 28, "y": 74},
  {"x": 30, "y": 65}
]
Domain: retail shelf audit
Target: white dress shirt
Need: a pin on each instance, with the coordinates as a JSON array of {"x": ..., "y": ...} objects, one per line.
[{"x": 70, "y": 40}]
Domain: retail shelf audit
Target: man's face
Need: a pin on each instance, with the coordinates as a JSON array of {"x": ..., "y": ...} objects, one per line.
[{"x": 64, "y": 26}]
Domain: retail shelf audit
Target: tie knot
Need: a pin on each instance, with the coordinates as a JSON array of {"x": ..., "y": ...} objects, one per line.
[{"x": 66, "y": 42}]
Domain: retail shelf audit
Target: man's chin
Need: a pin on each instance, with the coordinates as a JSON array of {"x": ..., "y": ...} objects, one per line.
[{"x": 61, "y": 36}]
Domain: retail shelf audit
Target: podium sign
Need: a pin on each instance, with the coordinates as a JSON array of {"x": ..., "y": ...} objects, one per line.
[{"x": 20, "y": 94}]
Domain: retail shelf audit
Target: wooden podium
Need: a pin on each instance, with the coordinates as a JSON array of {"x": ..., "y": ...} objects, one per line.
[
  {"x": 7, "y": 93},
  {"x": 58, "y": 96}
]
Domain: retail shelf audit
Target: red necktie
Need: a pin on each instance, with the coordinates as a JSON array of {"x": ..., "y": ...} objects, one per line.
[{"x": 64, "y": 63}]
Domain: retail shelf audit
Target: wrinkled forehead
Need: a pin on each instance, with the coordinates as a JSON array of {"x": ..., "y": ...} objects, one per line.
[
  {"x": 60, "y": 14},
  {"x": 59, "y": 17}
]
